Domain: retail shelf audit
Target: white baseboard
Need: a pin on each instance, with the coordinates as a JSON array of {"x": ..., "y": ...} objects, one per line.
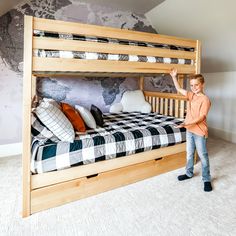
[
  {"x": 223, "y": 134},
  {"x": 10, "y": 149}
]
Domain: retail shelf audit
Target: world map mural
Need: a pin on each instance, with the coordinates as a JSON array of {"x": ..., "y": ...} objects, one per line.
[{"x": 104, "y": 91}]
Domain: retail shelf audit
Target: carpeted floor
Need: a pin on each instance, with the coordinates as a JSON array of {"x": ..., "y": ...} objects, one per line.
[{"x": 157, "y": 206}]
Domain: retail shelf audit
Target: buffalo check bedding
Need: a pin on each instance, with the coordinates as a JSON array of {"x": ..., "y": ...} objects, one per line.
[{"x": 123, "y": 134}]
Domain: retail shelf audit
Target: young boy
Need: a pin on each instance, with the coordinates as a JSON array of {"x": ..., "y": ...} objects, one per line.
[{"x": 195, "y": 123}]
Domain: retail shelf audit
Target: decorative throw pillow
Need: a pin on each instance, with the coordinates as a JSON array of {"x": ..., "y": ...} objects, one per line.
[
  {"x": 116, "y": 107},
  {"x": 41, "y": 132},
  {"x": 86, "y": 116},
  {"x": 135, "y": 101},
  {"x": 74, "y": 117},
  {"x": 97, "y": 114},
  {"x": 54, "y": 119}
]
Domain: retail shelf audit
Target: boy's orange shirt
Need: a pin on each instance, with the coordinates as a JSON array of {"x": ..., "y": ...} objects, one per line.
[{"x": 197, "y": 108}]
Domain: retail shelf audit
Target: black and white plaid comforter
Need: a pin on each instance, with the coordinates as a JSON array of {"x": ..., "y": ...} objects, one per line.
[
  {"x": 108, "y": 56},
  {"x": 123, "y": 134}
]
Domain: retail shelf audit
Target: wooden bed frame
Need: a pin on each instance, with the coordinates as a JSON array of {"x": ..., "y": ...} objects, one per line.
[{"x": 43, "y": 191}]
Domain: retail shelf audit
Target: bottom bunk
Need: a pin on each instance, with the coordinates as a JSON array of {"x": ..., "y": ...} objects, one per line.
[{"x": 129, "y": 147}]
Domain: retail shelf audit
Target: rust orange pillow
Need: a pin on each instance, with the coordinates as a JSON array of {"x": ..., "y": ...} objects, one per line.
[{"x": 74, "y": 117}]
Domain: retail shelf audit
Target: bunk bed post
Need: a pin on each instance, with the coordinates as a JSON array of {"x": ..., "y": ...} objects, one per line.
[
  {"x": 27, "y": 94},
  {"x": 198, "y": 58}
]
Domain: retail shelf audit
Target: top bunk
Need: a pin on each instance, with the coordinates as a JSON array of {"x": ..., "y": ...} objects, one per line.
[{"x": 59, "y": 48}]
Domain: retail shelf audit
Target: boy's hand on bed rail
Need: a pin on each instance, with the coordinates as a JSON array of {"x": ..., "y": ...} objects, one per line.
[{"x": 181, "y": 125}]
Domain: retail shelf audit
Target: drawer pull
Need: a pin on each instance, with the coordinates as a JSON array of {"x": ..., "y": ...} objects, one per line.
[
  {"x": 91, "y": 176},
  {"x": 158, "y": 159}
]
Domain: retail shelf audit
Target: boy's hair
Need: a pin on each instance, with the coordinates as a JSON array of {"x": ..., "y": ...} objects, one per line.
[{"x": 199, "y": 77}]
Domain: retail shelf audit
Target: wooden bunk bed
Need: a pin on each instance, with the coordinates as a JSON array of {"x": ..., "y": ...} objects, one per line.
[{"x": 46, "y": 190}]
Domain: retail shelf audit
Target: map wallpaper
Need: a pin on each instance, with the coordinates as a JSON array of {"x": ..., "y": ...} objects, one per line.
[{"x": 101, "y": 92}]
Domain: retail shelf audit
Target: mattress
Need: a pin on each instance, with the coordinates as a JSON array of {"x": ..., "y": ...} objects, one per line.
[
  {"x": 123, "y": 134},
  {"x": 108, "y": 56}
]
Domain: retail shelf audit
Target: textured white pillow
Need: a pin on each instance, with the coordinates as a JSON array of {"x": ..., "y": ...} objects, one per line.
[
  {"x": 135, "y": 101},
  {"x": 86, "y": 116},
  {"x": 116, "y": 107},
  {"x": 54, "y": 119}
]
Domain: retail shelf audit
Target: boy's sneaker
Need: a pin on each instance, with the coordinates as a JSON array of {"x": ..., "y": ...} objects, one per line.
[
  {"x": 207, "y": 186},
  {"x": 183, "y": 177}
]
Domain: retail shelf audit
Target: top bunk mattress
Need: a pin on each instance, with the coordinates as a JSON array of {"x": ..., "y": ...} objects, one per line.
[{"x": 123, "y": 134}]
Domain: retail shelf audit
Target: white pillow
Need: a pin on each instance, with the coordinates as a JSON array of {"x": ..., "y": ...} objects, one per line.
[
  {"x": 86, "y": 116},
  {"x": 116, "y": 107},
  {"x": 135, "y": 101},
  {"x": 54, "y": 119}
]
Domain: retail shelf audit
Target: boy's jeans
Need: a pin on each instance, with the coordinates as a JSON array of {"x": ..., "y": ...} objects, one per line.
[{"x": 195, "y": 141}]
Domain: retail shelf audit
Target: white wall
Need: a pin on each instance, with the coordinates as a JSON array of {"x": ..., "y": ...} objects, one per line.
[
  {"x": 210, "y": 21},
  {"x": 221, "y": 88}
]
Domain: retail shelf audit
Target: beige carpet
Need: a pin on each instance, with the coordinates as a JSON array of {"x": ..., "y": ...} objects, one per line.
[{"x": 157, "y": 206}]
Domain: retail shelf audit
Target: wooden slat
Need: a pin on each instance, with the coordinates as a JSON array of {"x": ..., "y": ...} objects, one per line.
[
  {"x": 171, "y": 107},
  {"x": 73, "y": 65},
  {"x": 108, "y": 32},
  {"x": 165, "y": 95},
  {"x": 62, "y": 193},
  {"x": 157, "y": 104},
  {"x": 176, "y": 108},
  {"x": 182, "y": 108},
  {"x": 166, "y": 107},
  {"x": 26, "y": 126},
  {"x": 86, "y": 46},
  {"x": 150, "y": 100},
  {"x": 153, "y": 104},
  {"x": 162, "y": 106},
  {"x": 77, "y": 74}
]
